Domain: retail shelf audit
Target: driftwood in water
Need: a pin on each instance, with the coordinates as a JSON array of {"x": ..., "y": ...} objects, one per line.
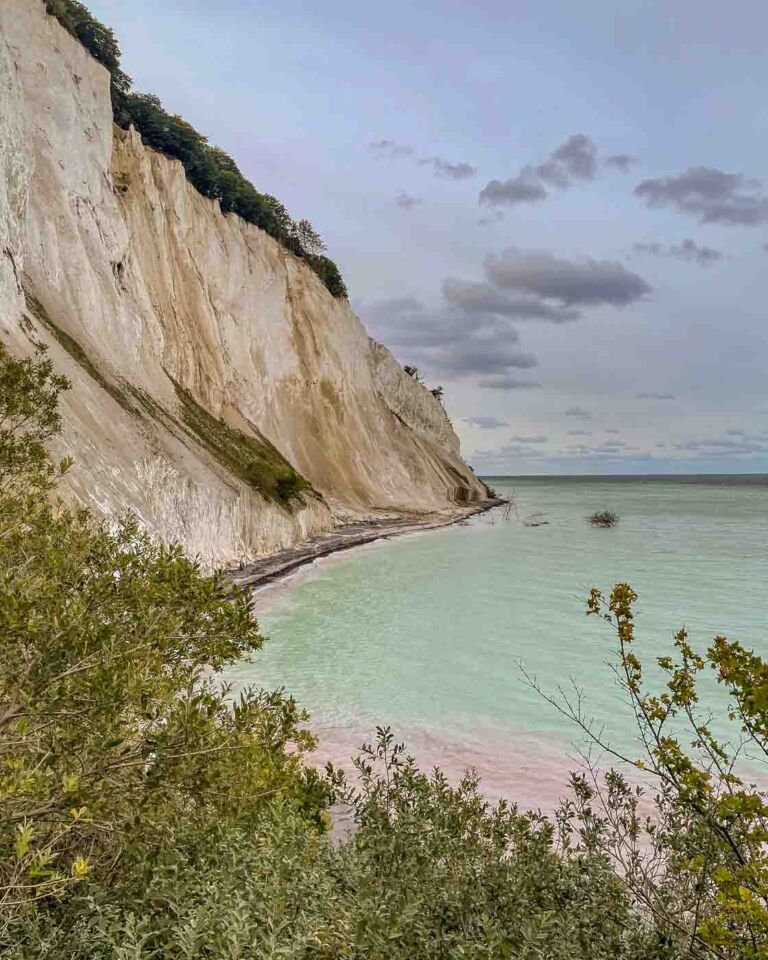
[{"x": 532, "y": 520}]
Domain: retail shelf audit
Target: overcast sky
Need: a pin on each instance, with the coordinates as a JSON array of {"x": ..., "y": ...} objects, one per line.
[{"x": 553, "y": 209}]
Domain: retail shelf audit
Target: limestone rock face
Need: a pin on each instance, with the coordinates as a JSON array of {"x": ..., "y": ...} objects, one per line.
[{"x": 167, "y": 314}]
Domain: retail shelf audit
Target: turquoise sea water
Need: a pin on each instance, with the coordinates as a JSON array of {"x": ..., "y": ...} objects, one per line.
[{"x": 428, "y": 632}]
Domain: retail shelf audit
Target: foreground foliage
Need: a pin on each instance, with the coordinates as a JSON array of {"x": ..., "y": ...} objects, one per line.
[
  {"x": 704, "y": 866},
  {"x": 432, "y": 871},
  {"x": 209, "y": 169},
  {"x": 144, "y": 814},
  {"x": 113, "y": 734}
]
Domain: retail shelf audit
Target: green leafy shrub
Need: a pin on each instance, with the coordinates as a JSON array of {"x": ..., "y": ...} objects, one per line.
[
  {"x": 209, "y": 169},
  {"x": 711, "y": 825},
  {"x": 29, "y": 416},
  {"x": 114, "y": 731},
  {"x": 694, "y": 853},
  {"x": 99, "y": 41},
  {"x": 431, "y": 871}
]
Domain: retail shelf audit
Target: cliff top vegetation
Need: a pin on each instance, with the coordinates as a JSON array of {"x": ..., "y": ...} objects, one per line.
[{"x": 208, "y": 168}]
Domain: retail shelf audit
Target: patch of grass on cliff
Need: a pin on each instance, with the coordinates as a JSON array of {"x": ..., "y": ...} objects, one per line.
[
  {"x": 76, "y": 351},
  {"x": 147, "y": 406},
  {"x": 254, "y": 460}
]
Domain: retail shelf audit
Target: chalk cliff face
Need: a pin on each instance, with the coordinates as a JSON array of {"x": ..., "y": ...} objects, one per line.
[{"x": 192, "y": 339}]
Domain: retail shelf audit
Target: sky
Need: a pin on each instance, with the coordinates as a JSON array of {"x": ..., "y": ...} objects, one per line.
[{"x": 555, "y": 210}]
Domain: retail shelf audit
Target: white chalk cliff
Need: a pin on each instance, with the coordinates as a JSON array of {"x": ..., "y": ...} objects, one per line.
[{"x": 170, "y": 317}]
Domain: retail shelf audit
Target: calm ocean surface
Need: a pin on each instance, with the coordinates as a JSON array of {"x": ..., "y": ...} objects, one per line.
[{"x": 427, "y": 633}]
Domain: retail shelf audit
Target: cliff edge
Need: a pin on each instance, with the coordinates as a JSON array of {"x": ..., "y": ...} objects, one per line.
[{"x": 219, "y": 391}]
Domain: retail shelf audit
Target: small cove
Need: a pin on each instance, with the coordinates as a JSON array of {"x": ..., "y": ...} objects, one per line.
[{"x": 428, "y": 632}]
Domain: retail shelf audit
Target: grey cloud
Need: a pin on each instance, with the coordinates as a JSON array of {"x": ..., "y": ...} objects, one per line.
[
  {"x": 579, "y": 433},
  {"x": 710, "y": 195},
  {"x": 652, "y": 395},
  {"x": 715, "y": 448},
  {"x": 449, "y": 171},
  {"x": 395, "y": 307},
  {"x": 493, "y": 217},
  {"x": 580, "y": 412},
  {"x": 594, "y": 455},
  {"x": 511, "y": 450},
  {"x": 486, "y": 423},
  {"x": 406, "y": 201},
  {"x": 575, "y": 159},
  {"x": 471, "y": 332},
  {"x": 481, "y": 356},
  {"x": 485, "y": 298},
  {"x": 577, "y": 452},
  {"x": 586, "y": 282},
  {"x": 687, "y": 250},
  {"x": 612, "y": 430},
  {"x": 509, "y": 193},
  {"x": 506, "y": 382},
  {"x": 537, "y": 438},
  {"x": 390, "y": 149},
  {"x": 446, "y": 328},
  {"x": 620, "y": 161},
  {"x": 550, "y": 172},
  {"x": 446, "y": 341},
  {"x": 607, "y": 450},
  {"x": 693, "y": 252}
]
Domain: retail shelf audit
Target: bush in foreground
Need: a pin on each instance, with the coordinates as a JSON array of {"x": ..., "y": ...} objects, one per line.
[
  {"x": 700, "y": 863},
  {"x": 432, "y": 871},
  {"x": 687, "y": 833},
  {"x": 114, "y": 732}
]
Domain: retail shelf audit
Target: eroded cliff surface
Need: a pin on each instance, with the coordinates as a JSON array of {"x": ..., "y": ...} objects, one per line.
[{"x": 219, "y": 390}]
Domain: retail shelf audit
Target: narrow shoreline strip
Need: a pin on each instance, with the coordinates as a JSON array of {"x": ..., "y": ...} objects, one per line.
[{"x": 279, "y": 565}]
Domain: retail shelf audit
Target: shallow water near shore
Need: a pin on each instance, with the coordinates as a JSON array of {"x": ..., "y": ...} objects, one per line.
[{"x": 430, "y": 632}]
